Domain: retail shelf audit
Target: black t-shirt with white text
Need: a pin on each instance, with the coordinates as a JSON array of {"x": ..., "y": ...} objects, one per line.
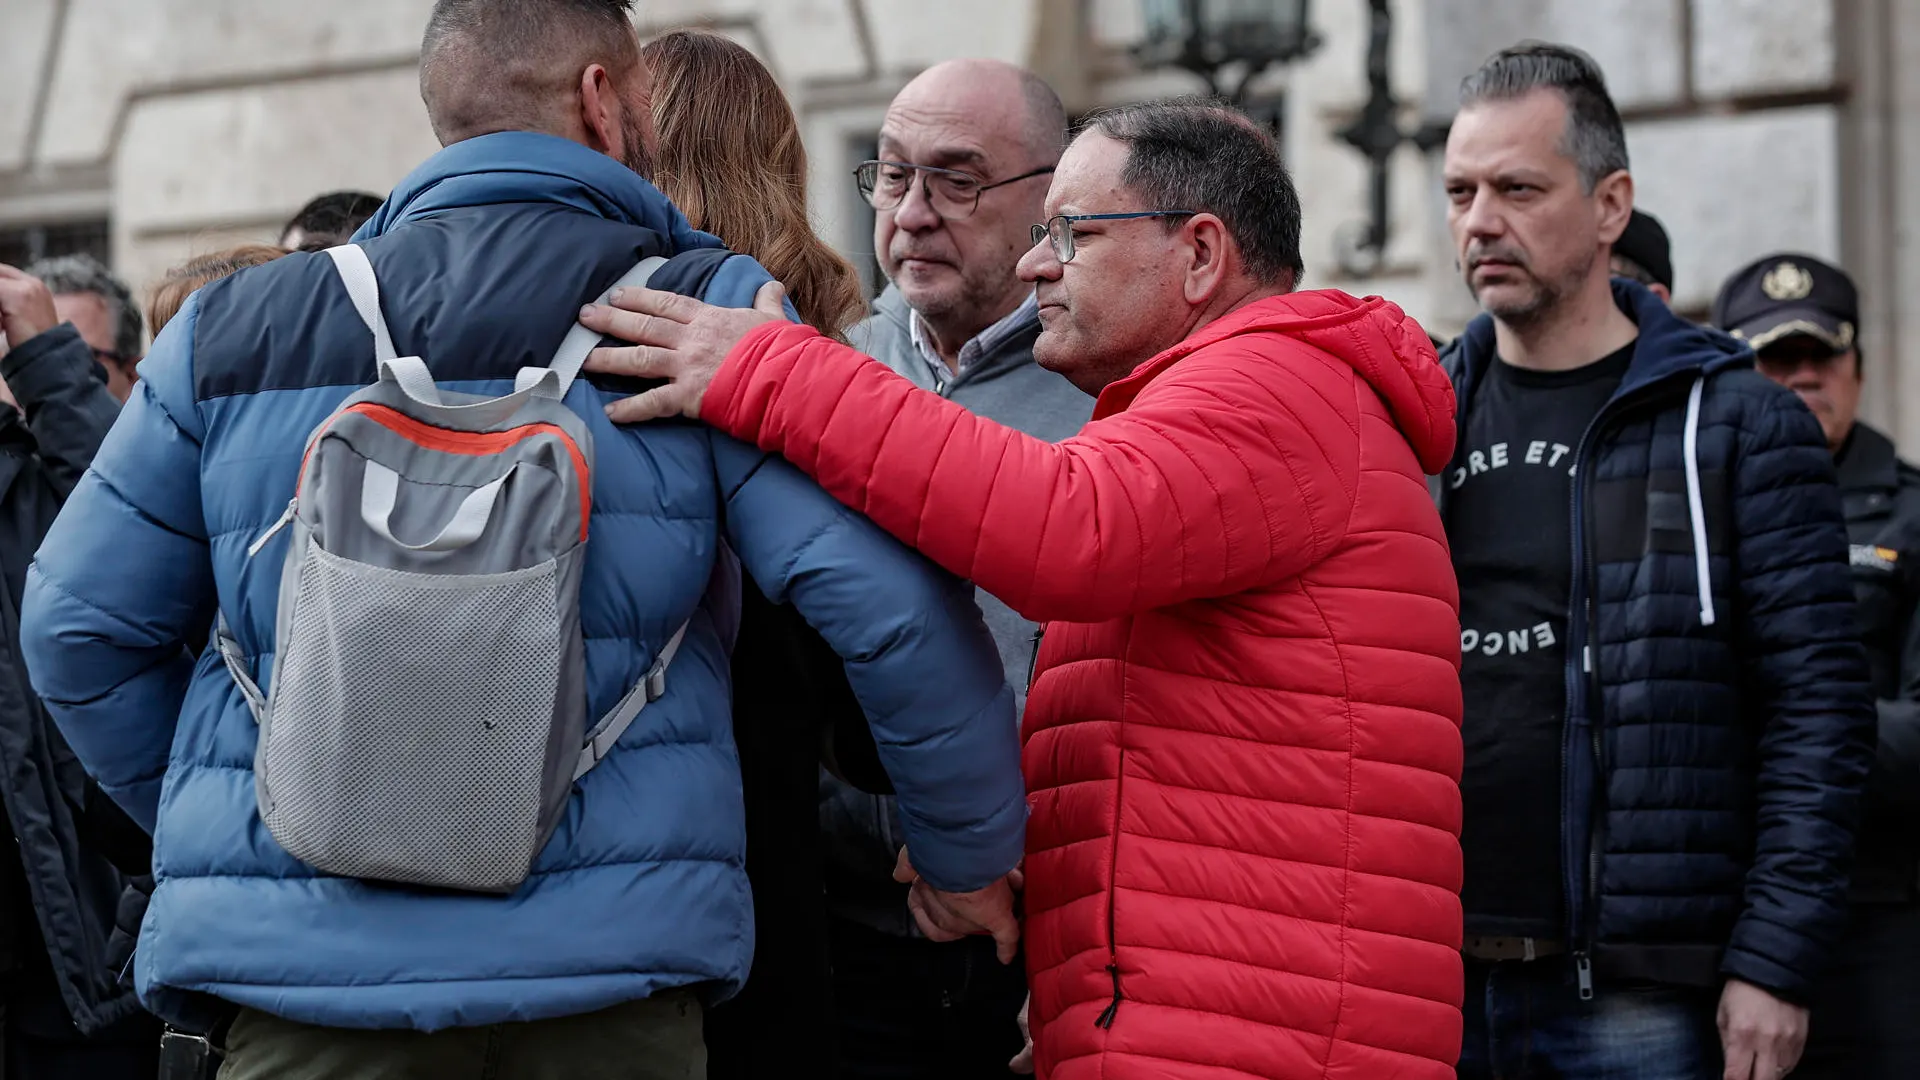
[{"x": 1509, "y": 522}]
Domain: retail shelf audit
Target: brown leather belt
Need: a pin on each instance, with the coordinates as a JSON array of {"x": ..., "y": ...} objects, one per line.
[{"x": 1491, "y": 949}]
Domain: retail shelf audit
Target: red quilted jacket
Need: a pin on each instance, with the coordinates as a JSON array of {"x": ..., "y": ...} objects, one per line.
[{"x": 1242, "y": 745}]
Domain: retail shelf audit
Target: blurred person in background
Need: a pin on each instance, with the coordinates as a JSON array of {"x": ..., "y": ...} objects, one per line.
[
  {"x": 327, "y": 221},
  {"x": 727, "y": 151},
  {"x": 1667, "y": 719},
  {"x": 102, "y": 308},
  {"x": 1801, "y": 316},
  {"x": 1643, "y": 254},
  {"x": 67, "y": 905},
  {"x": 172, "y": 290},
  {"x": 966, "y": 150}
]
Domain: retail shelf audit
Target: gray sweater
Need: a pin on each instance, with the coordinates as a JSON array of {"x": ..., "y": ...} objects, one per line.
[{"x": 862, "y": 832}]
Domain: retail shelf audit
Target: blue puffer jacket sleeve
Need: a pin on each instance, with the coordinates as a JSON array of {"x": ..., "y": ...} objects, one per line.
[
  {"x": 918, "y": 656},
  {"x": 1808, "y": 677},
  {"x": 917, "y": 650},
  {"x": 106, "y": 650}
]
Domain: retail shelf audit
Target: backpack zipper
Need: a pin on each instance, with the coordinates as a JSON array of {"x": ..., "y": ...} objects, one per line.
[{"x": 273, "y": 530}]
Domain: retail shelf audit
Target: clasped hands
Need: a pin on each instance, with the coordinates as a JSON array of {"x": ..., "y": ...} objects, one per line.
[{"x": 946, "y": 916}]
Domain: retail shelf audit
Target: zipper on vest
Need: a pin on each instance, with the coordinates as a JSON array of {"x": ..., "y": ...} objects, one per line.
[
  {"x": 1583, "y": 972},
  {"x": 274, "y": 529},
  {"x": 1105, "y": 1019}
]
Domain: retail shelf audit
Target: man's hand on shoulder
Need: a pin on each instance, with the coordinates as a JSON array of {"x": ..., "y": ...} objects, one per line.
[
  {"x": 1761, "y": 1035},
  {"x": 676, "y": 338}
]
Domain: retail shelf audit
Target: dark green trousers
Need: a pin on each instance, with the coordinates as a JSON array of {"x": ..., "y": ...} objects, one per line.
[{"x": 655, "y": 1039}]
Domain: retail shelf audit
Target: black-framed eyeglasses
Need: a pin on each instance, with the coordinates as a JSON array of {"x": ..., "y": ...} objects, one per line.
[
  {"x": 953, "y": 194},
  {"x": 1059, "y": 228},
  {"x": 108, "y": 357}
]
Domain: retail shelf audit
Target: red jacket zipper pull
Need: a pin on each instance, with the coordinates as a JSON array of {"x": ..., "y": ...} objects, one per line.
[{"x": 1105, "y": 1019}]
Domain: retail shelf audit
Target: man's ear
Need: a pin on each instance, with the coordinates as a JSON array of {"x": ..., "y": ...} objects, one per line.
[
  {"x": 1613, "y": 195},
  {"x": 1211, "y": 248},
  {"x": 600, "y": 111}
]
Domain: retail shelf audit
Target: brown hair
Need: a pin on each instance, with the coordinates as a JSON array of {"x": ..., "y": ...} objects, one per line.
[
  {"x": 729, "y": 156},
  {"x": 181, "y": 281}
]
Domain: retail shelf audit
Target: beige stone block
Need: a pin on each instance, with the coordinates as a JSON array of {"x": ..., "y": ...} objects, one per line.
[
  {"x": 1637, "y": 43},
  {"x": 910, "y": 35},
  {"x": 26, "y": 33},
  {"x": 812, "y": 39},
  {"x": 1116, "y": 23},
  {"x": 1745, "y": 47},
  {"x": 1731, "y": 189},
  {"x": 113, "y": 50},
  {"x": 799, "y": 40},
  {"x": 252, "y": 155}
]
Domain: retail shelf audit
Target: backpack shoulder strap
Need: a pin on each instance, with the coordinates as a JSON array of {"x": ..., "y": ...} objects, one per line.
[
  {"x": 356, "y": 273},
  {"x": 580, "y": 341}
]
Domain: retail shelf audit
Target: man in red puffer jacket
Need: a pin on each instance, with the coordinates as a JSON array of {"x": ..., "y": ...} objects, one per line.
[{"x": 1242, "y": 745}]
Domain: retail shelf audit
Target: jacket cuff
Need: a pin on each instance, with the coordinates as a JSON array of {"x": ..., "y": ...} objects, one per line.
[
  {"x": 1776, "y": 979},
  {"x": 726, "y": 396},
  {"x": 48, "y": 363}
]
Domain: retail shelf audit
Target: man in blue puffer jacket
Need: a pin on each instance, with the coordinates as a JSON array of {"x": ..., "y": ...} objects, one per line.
[{"x": 639, "y": 903}]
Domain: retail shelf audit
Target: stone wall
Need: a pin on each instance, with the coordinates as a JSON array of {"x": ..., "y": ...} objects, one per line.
[{"x": 1754, "y": 125}]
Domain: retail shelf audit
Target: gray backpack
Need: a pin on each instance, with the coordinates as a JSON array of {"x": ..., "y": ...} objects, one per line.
[{"x": 427, "y": 714}]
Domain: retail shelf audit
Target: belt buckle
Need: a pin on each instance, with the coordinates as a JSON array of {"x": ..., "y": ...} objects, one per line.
[{"x": 185, "y": 1056}]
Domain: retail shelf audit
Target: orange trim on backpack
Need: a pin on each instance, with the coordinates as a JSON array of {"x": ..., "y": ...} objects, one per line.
[{"x": 477, "y": 443}]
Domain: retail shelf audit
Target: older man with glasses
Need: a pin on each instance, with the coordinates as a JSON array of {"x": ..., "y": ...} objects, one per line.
[
  {"x": 1242, "y": 743},
  {"x": 966, "y": 149}
]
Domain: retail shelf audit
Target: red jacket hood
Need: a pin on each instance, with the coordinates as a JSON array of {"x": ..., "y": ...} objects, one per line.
[{"x": 1378, "y": 340}]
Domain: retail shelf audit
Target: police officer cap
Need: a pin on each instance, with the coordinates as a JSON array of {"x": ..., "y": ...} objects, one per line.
[{"x": 1783, "y": 295}]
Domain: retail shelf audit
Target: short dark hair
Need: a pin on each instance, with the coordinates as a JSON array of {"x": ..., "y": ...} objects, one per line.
[
  {"x": 1595, "y": 139},
  {"x": 75, "y": 275},
  {"x": 1202, "y": 154},
  {"x": 503, "y": 65},
  {"x": 329, "y": 220}
]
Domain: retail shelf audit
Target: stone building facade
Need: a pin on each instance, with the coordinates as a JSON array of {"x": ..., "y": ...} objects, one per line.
[{"x": 152, "y": 129}]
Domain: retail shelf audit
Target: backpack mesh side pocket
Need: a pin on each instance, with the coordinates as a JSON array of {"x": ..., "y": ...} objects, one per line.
[{"x": 410, "y": 720}]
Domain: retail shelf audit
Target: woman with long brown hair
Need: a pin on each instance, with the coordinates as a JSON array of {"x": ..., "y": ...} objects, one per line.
[{"x": 730, "y": 157}]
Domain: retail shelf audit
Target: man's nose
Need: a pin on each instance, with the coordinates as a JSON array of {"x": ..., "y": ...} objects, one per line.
[
  {"x": 1038, "y": 264},
  {"x": 1481, "y": 219},
  {"x": 915, "y": 212}
]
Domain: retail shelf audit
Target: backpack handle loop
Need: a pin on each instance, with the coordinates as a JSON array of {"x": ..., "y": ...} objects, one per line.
[{"x": 380, "y": 490}]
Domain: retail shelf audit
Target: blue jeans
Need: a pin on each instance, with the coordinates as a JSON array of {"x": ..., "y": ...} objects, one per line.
[{"x": 1525, "y": 1021}]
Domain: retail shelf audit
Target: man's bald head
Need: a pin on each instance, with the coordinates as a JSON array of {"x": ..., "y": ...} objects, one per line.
[
  {"x": 516, "y": 65},
  {"x": 1004, "y": 97},
  {"x": 954, "y": 264}
]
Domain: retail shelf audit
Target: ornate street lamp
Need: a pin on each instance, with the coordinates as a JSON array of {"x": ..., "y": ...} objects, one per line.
[
  {"x": 1376, "y": 133},
  {"x": 1208, "y": 37}
]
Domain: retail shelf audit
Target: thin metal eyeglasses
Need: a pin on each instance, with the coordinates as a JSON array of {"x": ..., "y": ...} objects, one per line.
[
  {"x": 952, "y": 193},
  {"x": 1059, "y": 228}
]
